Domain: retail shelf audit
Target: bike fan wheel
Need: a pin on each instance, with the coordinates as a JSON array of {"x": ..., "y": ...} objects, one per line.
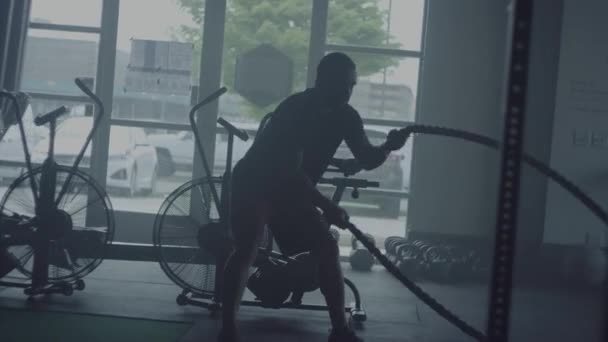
[
  {"x": 77, "y": 251},
  {"x": 176, "y": 236}
]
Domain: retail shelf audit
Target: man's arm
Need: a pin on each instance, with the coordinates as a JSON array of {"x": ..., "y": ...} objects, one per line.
[{"x": 368, "y": 155}]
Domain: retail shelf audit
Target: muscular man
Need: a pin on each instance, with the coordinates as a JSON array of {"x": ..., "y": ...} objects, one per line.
[{"x": 275, "y": 181}]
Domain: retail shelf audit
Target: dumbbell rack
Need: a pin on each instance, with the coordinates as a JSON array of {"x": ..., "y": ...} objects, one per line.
[{"x": 436, "y": 261}]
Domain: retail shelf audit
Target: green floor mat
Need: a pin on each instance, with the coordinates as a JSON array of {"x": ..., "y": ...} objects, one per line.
[{"x": 37, "y": 326}]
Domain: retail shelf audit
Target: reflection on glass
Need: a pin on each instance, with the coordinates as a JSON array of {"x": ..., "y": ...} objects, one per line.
[
  {"x": 145, "y": 165},
  {"x": 381, "y": 23},
  {"x": 11, "y": 148},
  {"x": 250, "y": 24},
  {"x": 53, "y": 59},
  {"x": 386, "y": 93},
  {"x": 155, "y": 65}
]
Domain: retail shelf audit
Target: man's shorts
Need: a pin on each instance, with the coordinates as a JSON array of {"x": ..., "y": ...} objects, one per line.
[
  {"x": 299, "y": 228},
  {"x": 296, "y": 226}
]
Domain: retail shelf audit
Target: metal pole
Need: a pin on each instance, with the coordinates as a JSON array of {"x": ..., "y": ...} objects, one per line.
[
  {"x": 513, "y": 133},
  {"x": 6, "y": 16},
  {"x": 388, "y": 36},
  {"x": 318, "y": 38}
]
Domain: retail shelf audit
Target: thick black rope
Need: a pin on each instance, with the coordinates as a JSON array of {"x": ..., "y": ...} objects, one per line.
[
  {"x": 575, "y": 191},
  {"x": 494, "y": 144},
  {"x": 416, "y": 290}
]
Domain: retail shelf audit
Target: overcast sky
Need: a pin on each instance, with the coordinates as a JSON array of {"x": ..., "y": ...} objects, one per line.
[{"x": 153, "y": 19}]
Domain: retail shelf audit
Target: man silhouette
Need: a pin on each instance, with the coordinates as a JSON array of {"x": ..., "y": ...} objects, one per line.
[{"x": 274, "y": 184}]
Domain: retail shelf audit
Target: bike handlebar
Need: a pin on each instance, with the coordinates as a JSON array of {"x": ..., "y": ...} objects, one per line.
[
  {"x": 346, "y": 182},
  {"x": 206, "y": 100},
  {"x": 91, "y": 95},
  {"x": 241, "y": 134},
  {"x": 42, "y": 119}
]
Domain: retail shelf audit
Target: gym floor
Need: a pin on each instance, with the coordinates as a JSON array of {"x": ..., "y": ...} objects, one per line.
[{"x": 141, "y": 290}]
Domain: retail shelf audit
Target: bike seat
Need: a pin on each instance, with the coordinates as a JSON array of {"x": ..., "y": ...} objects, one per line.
[{"x": 241, "y": 134}]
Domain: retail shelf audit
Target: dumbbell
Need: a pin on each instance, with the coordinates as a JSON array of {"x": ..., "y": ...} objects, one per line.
[
  {"x": 409, "y": 262},
  {"x": 391, "y": 242},
  {"x": 360, "y": 258},
  {"x": 439, "y": 264}
]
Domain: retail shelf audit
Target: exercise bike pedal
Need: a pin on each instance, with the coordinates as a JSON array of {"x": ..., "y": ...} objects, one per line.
[
  {"x": 79, "y": 285},
  {"x": 64, "y": 288},
  {"x": 358, "y": 315}
]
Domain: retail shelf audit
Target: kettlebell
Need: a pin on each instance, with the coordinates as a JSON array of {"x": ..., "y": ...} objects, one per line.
[{"x": 360, "y": 258}]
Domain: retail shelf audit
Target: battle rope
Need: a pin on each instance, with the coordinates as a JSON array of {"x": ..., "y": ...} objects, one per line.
[{"x": 494, "y": 144}]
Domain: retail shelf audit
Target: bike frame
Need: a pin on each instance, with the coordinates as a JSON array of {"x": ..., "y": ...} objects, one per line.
[{"x": 45, "y": 201}]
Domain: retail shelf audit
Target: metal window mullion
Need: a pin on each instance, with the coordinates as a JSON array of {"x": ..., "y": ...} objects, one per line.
[
  {"x": 65, "y": 28},
  {"x": 104, "y": 86},
  {"x": 60, "y": 97},
  {"x": 150, "y": 124},
  {"x": 5, "y": 35},
  {"x": 17, "y": 43},
  {"x": 318, "y": 38},
  {"x": 210, "y": 78},
  {"x": 421, "y": 61},
  {"x": 373, "y": 50}
]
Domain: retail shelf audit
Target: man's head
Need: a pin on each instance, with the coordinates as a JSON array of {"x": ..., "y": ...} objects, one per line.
[{"x": 336, "y": 77}]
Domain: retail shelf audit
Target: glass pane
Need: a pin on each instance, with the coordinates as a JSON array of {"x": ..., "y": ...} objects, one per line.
[
  {"x": 451, "y": 210},
  {"x": 11, "y": 148},
  {"x": 156, "y": 63},
  {"x": 145, "y": 165},
  {"x": 386, "y": 87},
  {"x": 238, "y": 150},
  {"x": 561, "y": 259},
  {"x": 250, "y": 25},
  {"x": 380, "y": 23},
  {"x": 53, "y": 59},
  {"x": 67, "y": 12}
]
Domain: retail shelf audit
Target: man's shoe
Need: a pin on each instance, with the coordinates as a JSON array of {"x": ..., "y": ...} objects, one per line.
[{"x": 346, "y": 335}]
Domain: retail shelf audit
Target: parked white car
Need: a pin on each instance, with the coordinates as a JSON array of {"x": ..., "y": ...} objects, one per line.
[
  {"x": 180, "y": 147},
  {"x": 11, "y": 148},
  {"x": 132, "y": 161}
]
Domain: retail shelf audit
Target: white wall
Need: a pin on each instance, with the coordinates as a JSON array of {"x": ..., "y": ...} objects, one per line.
[
  {"x": 453, "y": 184},
  {"x": 580, "y": 129}
]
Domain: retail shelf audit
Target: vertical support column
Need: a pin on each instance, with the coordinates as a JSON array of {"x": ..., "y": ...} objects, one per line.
[
  {"x": 210, "y": 78},
  {"x": 104, "y": 87},
  {"x": 6, "y": 16},
  {"x": 508, "y": 198},
  {"x": 318, "y": 38},
  {"x": 16, "y": 44}
]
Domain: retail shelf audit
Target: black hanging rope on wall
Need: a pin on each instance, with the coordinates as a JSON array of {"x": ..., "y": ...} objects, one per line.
[
  {"x": 541, "y": 167},
  {"x": 510, "y": 172}
]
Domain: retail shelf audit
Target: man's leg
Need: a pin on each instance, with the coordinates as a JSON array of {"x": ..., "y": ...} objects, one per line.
[
  {"x": 248, "y": 227},
  {"x": 331, "y": 281},
  {"x": 304, "y": 229}
]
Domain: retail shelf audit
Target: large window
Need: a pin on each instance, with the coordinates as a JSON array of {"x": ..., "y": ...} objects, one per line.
[
  {"x": 387, "y": 48},
  {"x": 157, "y": 61},
  {"x": 151, "y": 149},
  {"x": 60, "y": 46}
]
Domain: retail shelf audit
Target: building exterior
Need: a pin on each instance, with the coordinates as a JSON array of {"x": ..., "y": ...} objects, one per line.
[{"x": 153, "y": 81}]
